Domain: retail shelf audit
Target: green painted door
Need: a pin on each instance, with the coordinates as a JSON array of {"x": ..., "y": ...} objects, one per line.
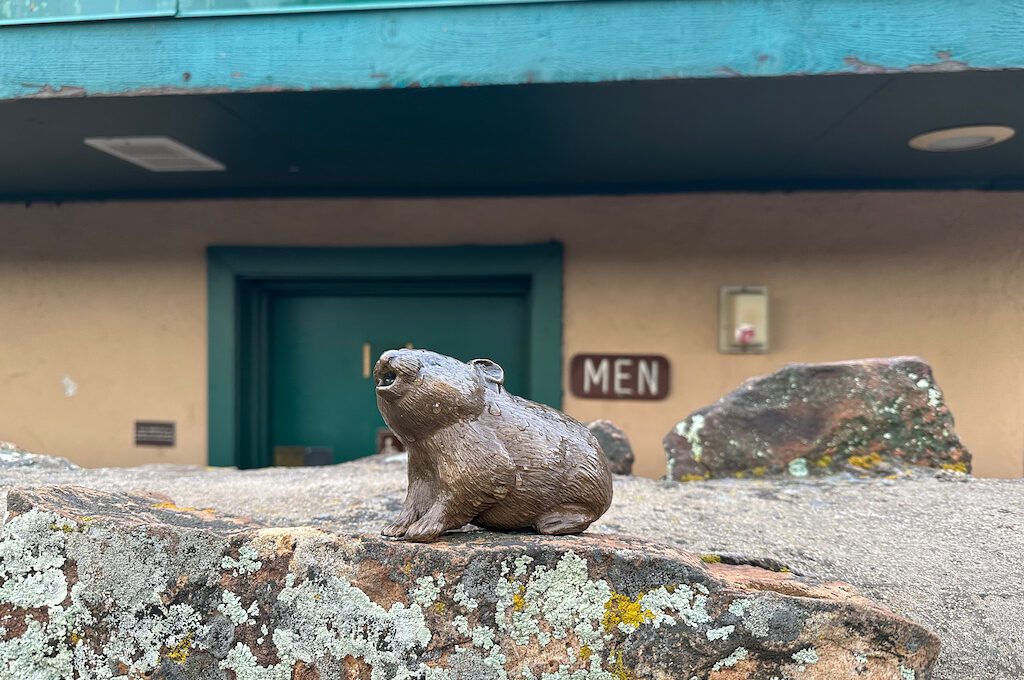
[{"x": 320, "y": 341}]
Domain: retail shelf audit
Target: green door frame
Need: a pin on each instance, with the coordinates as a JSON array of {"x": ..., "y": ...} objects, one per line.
[{"x": 233, "y": 269}]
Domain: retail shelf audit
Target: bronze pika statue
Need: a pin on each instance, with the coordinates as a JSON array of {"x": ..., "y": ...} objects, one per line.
[{"x": 479, "y": 455}]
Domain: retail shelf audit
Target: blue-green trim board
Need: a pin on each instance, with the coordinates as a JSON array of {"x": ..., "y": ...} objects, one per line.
[
  {"x": 14, "y": 12},
  {"x": 510, "y": 44}
]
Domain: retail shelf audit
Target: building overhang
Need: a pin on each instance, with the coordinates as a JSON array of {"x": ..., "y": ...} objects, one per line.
[{"x": 548, "y": 97}]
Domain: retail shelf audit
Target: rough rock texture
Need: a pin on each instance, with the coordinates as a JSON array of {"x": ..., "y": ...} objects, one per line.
[
  {"x": 874, "y": 415},
  {"x": 615, "y": 445},
  {"x": 96, "y": 584},
  {"x": 940, "y": 548},
  {"x": 13, "y": 456}
]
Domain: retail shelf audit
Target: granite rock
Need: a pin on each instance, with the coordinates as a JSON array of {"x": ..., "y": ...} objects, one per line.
[
  {"x": 615, "y": 445},
  {"x": 872, "y": 416},
  {"x": 12, "y": 456},
  {"x": 101, "y": 585}
]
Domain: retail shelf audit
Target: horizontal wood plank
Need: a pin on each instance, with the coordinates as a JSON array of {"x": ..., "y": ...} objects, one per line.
[{"x": 510, "y": 44}]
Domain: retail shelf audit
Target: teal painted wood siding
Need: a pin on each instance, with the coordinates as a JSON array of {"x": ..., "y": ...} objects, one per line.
[
  {"x": 202, "y": 8},
  {"x": 53, "y": 11},
  {"x": 45, "y": 11},
  {"x": 511, "y": 44}
]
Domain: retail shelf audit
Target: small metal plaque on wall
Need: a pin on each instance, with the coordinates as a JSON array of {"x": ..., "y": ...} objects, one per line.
[
  {"x": 619, "y": 376},
  {"x": 154, "y": 433}
]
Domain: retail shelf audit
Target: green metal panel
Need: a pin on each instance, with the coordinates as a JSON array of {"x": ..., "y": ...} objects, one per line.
[
  {"x": 317, "y": 392},
  {"x": 49, "y": 11},
  {"x": 236, "y": 419},
  {"x": 219, "y": 7}
]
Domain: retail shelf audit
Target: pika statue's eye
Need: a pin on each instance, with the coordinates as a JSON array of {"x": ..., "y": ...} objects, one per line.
[{"x": 387, "y": 378}]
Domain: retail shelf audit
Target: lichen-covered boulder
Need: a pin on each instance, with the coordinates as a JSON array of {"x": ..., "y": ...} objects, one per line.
[
  {"x": 102, "y": 585},
  {"x": 12, "y": 456},
  {"x": 615, "y": 445},
  {"x": 867, "y": 416}
]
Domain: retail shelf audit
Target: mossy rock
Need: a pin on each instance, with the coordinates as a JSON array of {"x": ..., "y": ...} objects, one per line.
[{"x": 873, "y": 416}]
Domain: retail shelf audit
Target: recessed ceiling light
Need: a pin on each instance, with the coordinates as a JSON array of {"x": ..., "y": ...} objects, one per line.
[
  {"x": 156, "y": 153},
  {"x": 965, "y": 138}
]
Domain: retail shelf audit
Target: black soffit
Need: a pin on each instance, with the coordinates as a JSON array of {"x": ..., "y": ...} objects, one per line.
[{"x": 746, "y": 134}]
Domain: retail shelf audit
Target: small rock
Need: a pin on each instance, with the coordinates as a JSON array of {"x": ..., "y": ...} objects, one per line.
[
  {"x": 615, "y": 445},
  {"x": 11, "y": 456},
  {"x": 876, "y": 416},
  {"x": 95, "y": 580}
]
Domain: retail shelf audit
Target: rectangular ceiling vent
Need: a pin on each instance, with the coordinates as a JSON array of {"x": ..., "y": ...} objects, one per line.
[{"x": 156, "y": 154}]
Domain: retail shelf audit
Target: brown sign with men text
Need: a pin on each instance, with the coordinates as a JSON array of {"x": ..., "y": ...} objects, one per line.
[{"x": 619, "y": 376}]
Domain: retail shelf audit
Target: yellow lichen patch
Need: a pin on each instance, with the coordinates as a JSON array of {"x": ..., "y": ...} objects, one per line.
[
  {"x": 439, "y": 607},
  {"x": 173, "y": 506},
  {"x": 179, "y": 652},
  {"x": 955, "y": 467},
  {"x": 619, "y": 670},
  {"x": 711, "y": 559},
  {"x": 693, "y": 478},
  {"x": 740, "y": 475},
  {"x": 75, "y": 637},
  {"x": 620, "y": 609},
  {"x": 518, "y": 600},
  {"x": 824, "y": 462},
  {"x": 585, "y": 654},
  {"x": 759, "y": 471},
  {"x": 865, "y": 462}
]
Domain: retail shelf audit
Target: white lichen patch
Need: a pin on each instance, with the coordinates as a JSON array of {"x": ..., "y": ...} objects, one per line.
[
  {"x": 687, "y": 605},
  {"x": 689, "y": 430},
  {"x": 806, "y": 656},
  {"x": 33, "y": 548},
  {"x": 427, "y": 590},
  {"x": 246, "y": 666},
  {"x": 247, "y": 562},
  {"x": 38, "y": 589},
  {"x": 462, "y": 598},
  {"x": 34, "y": 654},
  {"x": 907, "y": 673},
  {"x": 563, "y": 599},
  {"x": 329, "y": 618},
  {"x": 563, "y": 609},
  {"x": 739, "y": 654},
  {"x": 738, "y": 607},
  {"x": 231, "y": 607},
  {"x": 722, "y": 633}
]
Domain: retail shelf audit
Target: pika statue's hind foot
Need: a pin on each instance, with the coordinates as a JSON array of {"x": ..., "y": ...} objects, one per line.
[{"x": 560, "y": 522}]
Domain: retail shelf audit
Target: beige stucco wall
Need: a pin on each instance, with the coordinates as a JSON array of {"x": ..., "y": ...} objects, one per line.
[{"x": 113, "y": 297}]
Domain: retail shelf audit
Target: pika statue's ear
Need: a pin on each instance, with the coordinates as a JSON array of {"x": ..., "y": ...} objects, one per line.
[{"x": 491, "y": 372}]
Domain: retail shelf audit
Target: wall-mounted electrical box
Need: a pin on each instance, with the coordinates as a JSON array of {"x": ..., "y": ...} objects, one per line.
[{"x": 743, "y": 320}]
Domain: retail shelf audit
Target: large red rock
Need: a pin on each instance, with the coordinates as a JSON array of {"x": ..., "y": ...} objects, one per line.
[
  {"x": 101, "y": 585},
  {"x": 873, "y": 415}
]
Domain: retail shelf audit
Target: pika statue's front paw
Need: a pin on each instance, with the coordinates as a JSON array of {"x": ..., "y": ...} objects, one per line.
[
  {"x": 424, "y": 531},
  {"x": 396, "y": 530}
]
